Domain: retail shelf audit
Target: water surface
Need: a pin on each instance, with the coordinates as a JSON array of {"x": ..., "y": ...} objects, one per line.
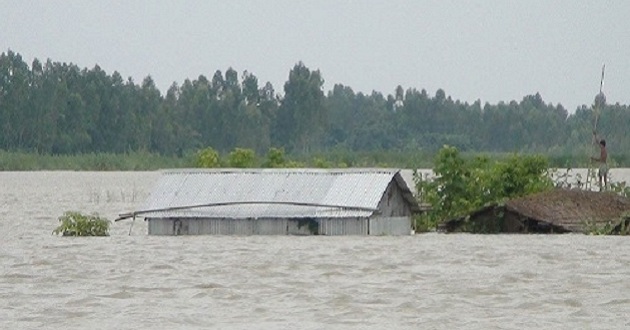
[{"x": 432, "y": 281}]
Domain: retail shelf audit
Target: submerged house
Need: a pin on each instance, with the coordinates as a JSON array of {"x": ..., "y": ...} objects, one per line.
[
  {"x": 279, "y": 202},
  {"x": 555, "y": 211}
]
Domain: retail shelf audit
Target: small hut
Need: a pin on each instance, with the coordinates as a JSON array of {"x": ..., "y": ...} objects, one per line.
[
  {"x": 279, "y": 202},
  {"x": 555, "y": 211}
]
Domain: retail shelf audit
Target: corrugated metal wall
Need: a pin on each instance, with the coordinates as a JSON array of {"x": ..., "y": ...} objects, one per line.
[
  {"x": 160, "y": 226},
  {"x": 390, "y": 226},
  {"x": 347, "y": 226},
  {"x": 305, "y": 226},
  {"x": 220, "y": 227},
  {"x": 271, "y": 226},
  {"x": 189, "y": 226}
]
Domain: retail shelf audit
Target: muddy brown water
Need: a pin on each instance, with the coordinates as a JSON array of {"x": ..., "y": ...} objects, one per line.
[{"x": 430, "y": 281}]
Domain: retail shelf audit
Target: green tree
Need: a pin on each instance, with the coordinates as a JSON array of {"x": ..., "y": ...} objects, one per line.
[
  {"x": 275, "y": 158},
  {"x": 14, "y": 98},
  {"x": 242, "y": 158},
  {"x": 149, "y": 101},
  {"x": 302, "y": 116},
  {"x": 208, "y": 158}
]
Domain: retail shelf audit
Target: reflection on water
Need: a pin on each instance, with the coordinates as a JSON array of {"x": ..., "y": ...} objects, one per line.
[{"x": 425, "y": 281}]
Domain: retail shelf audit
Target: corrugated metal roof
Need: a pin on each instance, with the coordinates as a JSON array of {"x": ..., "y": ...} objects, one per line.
[{"x": 336, "y": 192}]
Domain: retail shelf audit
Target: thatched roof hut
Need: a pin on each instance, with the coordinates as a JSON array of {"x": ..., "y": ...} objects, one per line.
[{"x": 555, "y": 211}]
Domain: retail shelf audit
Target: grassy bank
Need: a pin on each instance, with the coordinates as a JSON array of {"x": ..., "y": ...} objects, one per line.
[
  {"x": 138, "y": 161},
  {"x": 21, "y": 161}
]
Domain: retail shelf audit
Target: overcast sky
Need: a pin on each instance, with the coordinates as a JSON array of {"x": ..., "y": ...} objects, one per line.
[{"x": 493, "y": 50}]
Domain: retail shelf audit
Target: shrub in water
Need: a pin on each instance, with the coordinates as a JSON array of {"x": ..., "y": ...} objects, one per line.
[{"x": 77, "y": 224}]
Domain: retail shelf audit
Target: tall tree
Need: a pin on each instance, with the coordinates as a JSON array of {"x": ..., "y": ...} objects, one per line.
[{"x": 302, "y": 116}]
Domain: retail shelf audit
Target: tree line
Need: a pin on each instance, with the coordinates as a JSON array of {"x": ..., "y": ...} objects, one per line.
[{"x": 59, "y": 108}]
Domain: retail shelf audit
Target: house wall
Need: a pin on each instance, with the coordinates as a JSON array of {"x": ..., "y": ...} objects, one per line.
[
  {"x": 159, "y": 226},
  {"x": 213, "y": 226},
  {"x": 488, "y": 221},
  {"x": 344, "y": 226},
  {"x": 512, "y": 223},
  {"x": 501, "y": 220},
  {"x": 393, "y": 204},
  {"x": 301, "y": 226},
  {"x": 390, "y": 226}
]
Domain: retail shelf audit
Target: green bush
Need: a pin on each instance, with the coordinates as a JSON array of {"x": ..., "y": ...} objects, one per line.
[
  {"x": 242, "y": 158},
  {"x": 77, "y": 224},
  {"x": 275, "y": 158},
  {"x": 208, "y": 158}
]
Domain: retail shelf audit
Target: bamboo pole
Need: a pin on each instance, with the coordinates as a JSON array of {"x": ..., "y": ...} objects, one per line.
[{"x": 596, "y": 108}]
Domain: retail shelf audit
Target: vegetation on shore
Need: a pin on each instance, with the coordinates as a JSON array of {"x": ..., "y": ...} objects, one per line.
[
  {"x": 274, "y": 157},
  {"x": 133, "y": 161},
  {"x": 208, "y": 157}
]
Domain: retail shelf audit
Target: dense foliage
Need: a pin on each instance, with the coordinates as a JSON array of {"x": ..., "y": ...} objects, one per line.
[
  {"x": 247, "y": 158},
  {"x": 462, "y": 185},
  {"x": 77, "y": 224},
  {"x": 61, "y": 109}
]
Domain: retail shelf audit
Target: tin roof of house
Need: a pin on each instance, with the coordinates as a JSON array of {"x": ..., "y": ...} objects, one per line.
[{"x": 261, "y": 193}]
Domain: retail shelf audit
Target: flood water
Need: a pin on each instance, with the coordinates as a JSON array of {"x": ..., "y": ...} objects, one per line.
[{"x": 430, "y": 281}]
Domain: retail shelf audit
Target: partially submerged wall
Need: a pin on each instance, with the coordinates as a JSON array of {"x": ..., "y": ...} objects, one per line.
[{"x": 294, "y": 226}]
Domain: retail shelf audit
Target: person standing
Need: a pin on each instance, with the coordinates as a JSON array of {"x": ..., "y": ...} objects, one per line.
[{"x": 602, "y": 174}]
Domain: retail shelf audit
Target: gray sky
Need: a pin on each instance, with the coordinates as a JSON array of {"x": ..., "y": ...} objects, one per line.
[{"x": 491, "y": 50}]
